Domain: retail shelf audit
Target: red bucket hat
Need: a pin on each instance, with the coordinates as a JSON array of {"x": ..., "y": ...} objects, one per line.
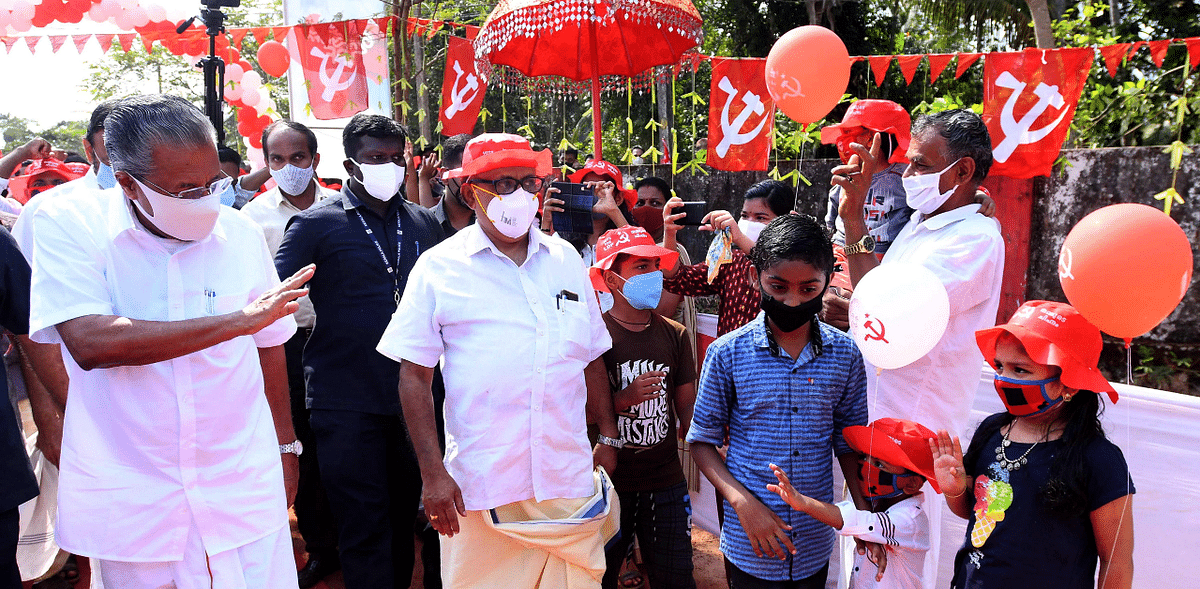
[
  {"x": 632, "y": 240},
  {"x": 613, "y": 173},
  {"x": 884, "y": 116},
  {"x": 1054, "y": 334},
  {"x": 490, "y": 151},
  {"x": 896, "y": 441},
  {"x": 20, "y": 186}
]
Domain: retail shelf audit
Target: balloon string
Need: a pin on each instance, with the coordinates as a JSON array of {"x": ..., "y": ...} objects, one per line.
[{"x": 1128, "y": 363}]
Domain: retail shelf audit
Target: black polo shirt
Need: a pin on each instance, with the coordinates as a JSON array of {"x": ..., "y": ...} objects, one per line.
[
  {"x": 352, "y": 294},
  {"x": 19, "y": 483}
]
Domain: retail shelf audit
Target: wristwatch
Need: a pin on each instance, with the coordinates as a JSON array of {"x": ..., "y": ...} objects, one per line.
[
  {"x": 607, "y": 441},
  {"x": 866, "y": 245},
  {"x": 293, "y": 448}
]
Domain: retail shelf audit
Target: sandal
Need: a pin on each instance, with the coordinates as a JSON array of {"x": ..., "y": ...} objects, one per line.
[{"x": 632, "y": 579}]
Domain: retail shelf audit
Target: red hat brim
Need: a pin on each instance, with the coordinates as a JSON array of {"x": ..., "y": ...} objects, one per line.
[
  {"x": 873, "y": 442},
  {"x": 666, "y": 257},
  {"x": 542, "y": 162},
  {"x": 1075, "y": 373}
]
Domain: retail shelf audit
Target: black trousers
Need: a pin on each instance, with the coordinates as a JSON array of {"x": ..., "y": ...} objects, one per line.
[
  {"x": 739, "y": 579},
  {"x": 313, "y": 516},
  {"x": 662, "y": 522},
  {"x": 10, "y": 531},
  {"x": 373, "y": 484}
]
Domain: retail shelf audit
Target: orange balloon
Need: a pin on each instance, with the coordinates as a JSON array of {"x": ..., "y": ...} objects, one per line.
[
  {"x": 273, "y": 58},
  {"x": 1125, "y": 267},
  {"x": 807, "y": 73}
]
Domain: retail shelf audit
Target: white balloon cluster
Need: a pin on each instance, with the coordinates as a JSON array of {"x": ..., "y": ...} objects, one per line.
[
  {"x": 246, "y": 88},
  {"x": 18, "y": 16}
]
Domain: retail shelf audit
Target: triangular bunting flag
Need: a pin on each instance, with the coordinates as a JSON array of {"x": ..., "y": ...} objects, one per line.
[
  {"x": 434, "y": 28},
  {"x": 856, "y": 58},
  {"x": 938, "y": 63},
  {"x": 411, "y": 27},
  {"x": 879, "y": 67},
  {"x": 280, "y": 33},
  {"x": 237, "y": 35},
  {"x": 908, "y": 66},
  {"x": 1134, "y": 48},
  {"x": 56, "y": 42},
  {"x": 80, "y": 41},
  {"x": 148, "y": 41},
  {"x": 965, "y": 60},
  {"x": 472, "y": 31},
  {"x": 105, "y": 40},
  {"x": 1193, "y": 46},
  {"x": 126, "y": 41},
  {"x": 8, "y": 42},
  {"x": 31, "y": 41},
  {"x": 1158, "y": 50},
  {"x": 1113, "y": 56},
  {"x": 260, "y": 34}
]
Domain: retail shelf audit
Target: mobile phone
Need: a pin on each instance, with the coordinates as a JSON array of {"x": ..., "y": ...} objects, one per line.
[
  {"x": 696, "y": 210},
  {"x": 578, "y": 201}
]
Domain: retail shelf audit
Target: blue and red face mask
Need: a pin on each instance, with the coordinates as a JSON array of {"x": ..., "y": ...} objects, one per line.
[
  {"x": 1023, "y": 398},
  {"x": 880, "y": 484}
]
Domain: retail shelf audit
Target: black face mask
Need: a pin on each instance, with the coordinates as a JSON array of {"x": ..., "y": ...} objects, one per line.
[{"x": 788, "y": 318}]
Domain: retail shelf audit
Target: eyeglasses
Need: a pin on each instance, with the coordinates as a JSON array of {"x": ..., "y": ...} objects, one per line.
[
  {"x": 506, "y": 185},
  {"x": 216, "y": 187}
]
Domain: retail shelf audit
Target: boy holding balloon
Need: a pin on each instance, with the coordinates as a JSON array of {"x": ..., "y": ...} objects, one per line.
[{"x": 782, "y": 388}]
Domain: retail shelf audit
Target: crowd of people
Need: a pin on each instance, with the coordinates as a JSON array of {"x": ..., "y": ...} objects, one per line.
[{"x": 497, "y": 356}]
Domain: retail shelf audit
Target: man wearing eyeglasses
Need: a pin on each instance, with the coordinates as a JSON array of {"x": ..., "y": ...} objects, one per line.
[
  {"x": 176, "y": 466},
  {"x": 366, "y": 240},
  {"x": 513, "y": 314}
]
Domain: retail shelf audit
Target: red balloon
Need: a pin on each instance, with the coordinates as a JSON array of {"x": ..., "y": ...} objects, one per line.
[
  {"x": 245, "y": 64},
  {"x": 273, "y": 58},
  {"x": 255, "y": 140},
  {"x": 1125, "y": 267},
  {"x": 808, "y": 69}
]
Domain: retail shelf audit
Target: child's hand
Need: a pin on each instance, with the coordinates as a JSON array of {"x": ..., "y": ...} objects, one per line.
[
  {"x": 948, "y": 464},
  {"x": 648, "y": 385},
  {"x": 876, "y": 553},
  {"x": 784, "y": 489}
]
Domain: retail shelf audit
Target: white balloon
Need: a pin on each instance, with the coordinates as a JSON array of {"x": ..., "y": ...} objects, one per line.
[
  {"x": 6, "y": 5},
  {"x": 97, "y": 13},
  {"x": 898, "y": 313},
  {"x": 20, "y": 25},
  {"x": 249, "y": 98},
  {"x": 138, "y": 16},
  {"x": 251, "y": 82},
  {"x": 22, "y": 11},
  {"x": 234, "y": 73},
  {"x": 156, "y": 13},
  {"x": 128, "y": 4},
  {"x": 263, "y": 104},
  {"x": 233, "y": 92}
]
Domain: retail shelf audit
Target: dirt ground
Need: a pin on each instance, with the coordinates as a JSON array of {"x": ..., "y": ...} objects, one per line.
[{"x": 710, "y": 570}]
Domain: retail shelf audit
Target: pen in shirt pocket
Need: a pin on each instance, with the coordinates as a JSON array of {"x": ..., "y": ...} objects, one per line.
[{"x": 210, "y": 301}]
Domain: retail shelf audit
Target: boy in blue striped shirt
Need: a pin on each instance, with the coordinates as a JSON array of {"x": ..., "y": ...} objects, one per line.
[{"x": 783, "y": 386}]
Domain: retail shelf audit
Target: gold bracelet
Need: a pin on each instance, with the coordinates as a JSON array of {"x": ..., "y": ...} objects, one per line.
[{"x": 960, "y": 494}]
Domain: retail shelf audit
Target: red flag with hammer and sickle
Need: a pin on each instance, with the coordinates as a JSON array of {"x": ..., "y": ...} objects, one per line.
[
  {"x": 334, "y": 72},
  {"x": 462, "y": 89},
  {"x": 740, "y": 115},
  {"x": 1029, "y": 100}
]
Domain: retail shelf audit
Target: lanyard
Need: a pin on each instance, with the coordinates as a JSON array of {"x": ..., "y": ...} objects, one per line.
[{"x": 386, "y": 263}]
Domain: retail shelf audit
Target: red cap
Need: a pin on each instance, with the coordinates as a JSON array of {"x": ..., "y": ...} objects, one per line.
[
  {"x": 20, "y": 185},
  {"x": 613, "y": 173},
  {"x": 884, "y": 116},
  {"x": 896, "y": 441},
  {"x": 1054, "y": 334},
  {"x": 490, "y": 151},
  {"x": 632, "y": 240}
]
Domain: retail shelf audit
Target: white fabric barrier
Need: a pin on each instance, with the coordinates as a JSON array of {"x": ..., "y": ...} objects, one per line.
[{"x": 1159, "y": 433}]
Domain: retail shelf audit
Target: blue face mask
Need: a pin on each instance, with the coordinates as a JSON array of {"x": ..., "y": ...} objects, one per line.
[
  {"x": 644, "y": 290},
  {"x": 1020, "y": 397},
  {"x": 105, "y": 177}
]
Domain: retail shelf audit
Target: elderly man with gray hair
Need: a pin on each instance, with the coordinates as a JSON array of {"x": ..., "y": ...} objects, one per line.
[{"x": 172, "y": 321}]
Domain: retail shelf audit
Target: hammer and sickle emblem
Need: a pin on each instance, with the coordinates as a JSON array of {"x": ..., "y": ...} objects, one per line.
[
  {"x": 1018, "y": 133},
  {"x": 1065, "y": 261},
  {"x": 876, "y": 334},
  {"x": 458, "y": 97},
  {"x": 333, "y": 83},
  {"x": 731, "y": 132}
]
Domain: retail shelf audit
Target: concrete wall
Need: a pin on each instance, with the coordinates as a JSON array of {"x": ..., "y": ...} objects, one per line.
[{"x": 1036, "y": 214}]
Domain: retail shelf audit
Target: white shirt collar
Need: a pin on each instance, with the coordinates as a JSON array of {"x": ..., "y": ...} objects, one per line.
[
  {"x": 477, "y": 241},
  {"x": 940, "y": 221}
]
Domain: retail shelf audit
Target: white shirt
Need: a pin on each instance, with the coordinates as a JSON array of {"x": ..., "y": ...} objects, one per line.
[
  {"x": 903, "y": 528},
  {"x": 515, "y": 347},
  {"x": 272, "y": 211},
  {"x": 966, "y": 251},
  {"x": 150, "y": 451}
]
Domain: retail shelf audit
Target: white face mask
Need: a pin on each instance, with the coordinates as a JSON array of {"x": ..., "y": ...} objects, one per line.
[
  {"x": 382, "y": 181},
  {"x": 922, "y": 193},
  {"x": 293, "y": 180},
  {"x": 105, "y": 177},
  {"x": 512, "y": 214},
  {"x": 751, "y": 229},
  {"x": 185, "y": 220}
]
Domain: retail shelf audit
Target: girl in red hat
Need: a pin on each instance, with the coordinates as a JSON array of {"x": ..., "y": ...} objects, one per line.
[{"x": 1045, "y": 493}]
